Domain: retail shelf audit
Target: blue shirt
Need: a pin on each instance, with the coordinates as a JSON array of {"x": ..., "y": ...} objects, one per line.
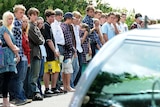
[
  {"x": 89, "y": 21},
  {"x": 108, "y": 29},
  {"x": 17, "y": 33}
]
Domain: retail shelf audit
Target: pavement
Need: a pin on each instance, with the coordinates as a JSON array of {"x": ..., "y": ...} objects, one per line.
[{"x": 54, "y": 101}]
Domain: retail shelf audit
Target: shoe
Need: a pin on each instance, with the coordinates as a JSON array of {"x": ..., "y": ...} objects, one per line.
[
  {"x": 65, "y": 92},
  {"x": 71, "y": 89},
  {"x": 19, "y": 102},
  {"x": 48, "y": 93},
  {"x": 37, "y": 97},
  {"x": 28, "y": 101},
  {"x": 1, "y": 96},
  {"x": 55, "y": 91},
  {"x": 61, "y": 90}
]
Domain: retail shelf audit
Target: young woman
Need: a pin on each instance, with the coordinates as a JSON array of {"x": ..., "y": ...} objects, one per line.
[
  {"x": 10, "y": 51},
  {"x": 87, "y": 52}
]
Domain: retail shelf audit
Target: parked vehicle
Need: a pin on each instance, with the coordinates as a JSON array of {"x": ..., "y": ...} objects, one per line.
[{"x": 124, "y": 73}]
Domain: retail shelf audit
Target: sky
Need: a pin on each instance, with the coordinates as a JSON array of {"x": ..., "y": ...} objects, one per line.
[{"x": 145, "y": 7}]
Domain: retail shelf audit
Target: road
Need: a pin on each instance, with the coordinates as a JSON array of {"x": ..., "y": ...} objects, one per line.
[{"x": 55, "y": 101}]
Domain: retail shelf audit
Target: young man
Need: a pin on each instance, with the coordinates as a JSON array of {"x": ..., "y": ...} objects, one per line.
[
  {"x": 59, "y": 39},
  {"x": 137, "y": 23},
  {"x": 77, "y": 60},
  {"x": 67, "y": 68},
  {"x": 17, "y": 94},
  {"x": 35, "y": 40},
  {"x": 52, "y": 66},
  {"x": 123, "y": 25},
  {"x": 88, "y": 19},
  {"x": 108, "y": 30}
]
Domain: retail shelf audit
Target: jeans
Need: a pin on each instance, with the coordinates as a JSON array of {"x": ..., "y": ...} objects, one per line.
[
  {"x": 93, "y": 48},
  {"x": 75, "y": 65},
  {"x": 16, "y": 88},
  {"x": 33, "y": 76},
  {"x": 41, "y": 75},
  {"x": 80, "y": 68}
]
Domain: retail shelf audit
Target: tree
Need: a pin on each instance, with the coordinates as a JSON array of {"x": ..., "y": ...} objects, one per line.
[{"x": 6, "y": 5}]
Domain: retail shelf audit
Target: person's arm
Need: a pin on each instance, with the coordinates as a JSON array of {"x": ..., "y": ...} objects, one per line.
[
  {"x": 36, "y": 36},
  {"x": 105, "y": 37},
  {"x": 84, "y": 37},
  {"x": 52, "y": 47},
  {"x": 116, "y": 28},
  {"x": 10, "y": 44},
  {"x": 100, "y": 35}
]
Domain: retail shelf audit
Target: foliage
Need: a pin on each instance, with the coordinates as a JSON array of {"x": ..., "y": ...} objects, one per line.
[
  {"x": 65, "y": 5},
  {"x": 6, "y": 5}
]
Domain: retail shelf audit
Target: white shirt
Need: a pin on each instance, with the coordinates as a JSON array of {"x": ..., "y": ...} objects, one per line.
[
  {"x": 123, "y": 27},
  {"x": 77, "y": 37},
  {"x": 57, "y": 32}
]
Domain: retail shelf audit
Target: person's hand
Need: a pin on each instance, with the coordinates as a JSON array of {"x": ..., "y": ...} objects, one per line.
[
  {"x": 17, "y": 58},
  {"x": 16, "y": 49},
  {"x": 90, "y": 52},
  {"x": 56, "y": 54}
]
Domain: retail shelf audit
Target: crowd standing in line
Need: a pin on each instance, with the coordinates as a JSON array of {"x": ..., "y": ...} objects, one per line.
[{"x": 53, "y": 49}]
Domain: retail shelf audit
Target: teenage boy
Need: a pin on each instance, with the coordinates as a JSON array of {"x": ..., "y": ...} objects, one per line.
[
  {"x": 67, "y": 68},
  {"x": 17, "y": 94},
  {"x": 59, "y": 39},
  {"x": 88, "y": 19},
  {"x": 52, "y": 66},
  {"x": 35, "y": 40},
  {"x": 108, "y": 29}
]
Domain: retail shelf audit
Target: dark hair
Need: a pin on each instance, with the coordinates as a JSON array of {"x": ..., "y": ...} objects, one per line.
[
  {"x": 90, "y": 7},
  {"x": 98, "y": 11},
  {"x": 49, "y": 12},
  {"x": 111, "y": 13},
  {"x": 33, "y": 10},
  {"x": 84, "y": 25},
  {"x": 118, "y": 16},
  {"x": 138, "y": 15}
]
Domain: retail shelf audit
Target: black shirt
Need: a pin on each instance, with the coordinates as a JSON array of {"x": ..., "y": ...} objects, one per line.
[{"x": 48, "y": 35}]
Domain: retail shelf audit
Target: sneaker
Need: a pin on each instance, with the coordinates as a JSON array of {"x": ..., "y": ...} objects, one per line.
[
  {"x": 55, "y": 91},
  {"x": 28, "y": 101},
  {"x": 19, "y": 102},
  {"x": 61, "y": 90},
  {"x": 37, "y": 97},
  {"x": 1, "y": 96},
  {"x": 48, "y": 93}
]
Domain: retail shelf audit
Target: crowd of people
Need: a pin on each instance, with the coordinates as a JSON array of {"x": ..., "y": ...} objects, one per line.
[{"x": 56, "y": 50}]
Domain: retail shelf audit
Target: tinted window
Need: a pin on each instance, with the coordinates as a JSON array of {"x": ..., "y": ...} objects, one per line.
[{"x": 127, "y": 78}]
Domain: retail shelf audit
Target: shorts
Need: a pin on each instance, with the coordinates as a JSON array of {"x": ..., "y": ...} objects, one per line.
[
  {"x": 51, "y": 67},
  {"x": 67, "y": 66}
]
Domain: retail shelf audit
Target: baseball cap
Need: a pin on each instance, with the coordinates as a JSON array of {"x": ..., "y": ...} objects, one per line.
[{"x": 68, "y": 15}]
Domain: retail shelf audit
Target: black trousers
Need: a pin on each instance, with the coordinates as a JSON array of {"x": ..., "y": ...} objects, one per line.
[{"x": 5, "y": 79}]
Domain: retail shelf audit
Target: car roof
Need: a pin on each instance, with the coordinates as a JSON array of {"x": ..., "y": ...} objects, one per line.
[{"x": 152, "y": 34}]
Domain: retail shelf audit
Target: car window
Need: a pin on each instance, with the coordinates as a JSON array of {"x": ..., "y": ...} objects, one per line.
[{"x": 128, "y": 77}]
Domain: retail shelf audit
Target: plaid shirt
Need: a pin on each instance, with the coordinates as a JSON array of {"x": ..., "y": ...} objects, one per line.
[
  {"x": 68, "y": 47},
  {"x": 89, "y": 21},
  {"x": 17, "y": 33}
]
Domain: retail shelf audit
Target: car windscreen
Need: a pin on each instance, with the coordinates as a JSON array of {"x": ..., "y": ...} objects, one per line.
[{"x": 130, "y": 73}]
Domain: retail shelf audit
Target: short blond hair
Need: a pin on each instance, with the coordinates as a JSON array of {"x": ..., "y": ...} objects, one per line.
[
  {"x": 5, "y": 19},
  {"x": 18, "y": 7},
  {"x": 76, "y": 13}
]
